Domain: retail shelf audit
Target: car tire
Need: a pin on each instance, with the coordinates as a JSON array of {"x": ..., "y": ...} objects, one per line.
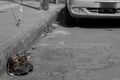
[{"x": 69, "y": 20}]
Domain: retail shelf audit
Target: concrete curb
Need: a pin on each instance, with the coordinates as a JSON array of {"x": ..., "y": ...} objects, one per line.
[{"x": 20, "y": 43}]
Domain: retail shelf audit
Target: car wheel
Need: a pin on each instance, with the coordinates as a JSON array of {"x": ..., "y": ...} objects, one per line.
[{"x": 69, "y": 20}]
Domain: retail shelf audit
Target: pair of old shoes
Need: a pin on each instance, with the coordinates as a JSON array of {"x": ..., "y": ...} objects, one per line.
[{"x": 18, "y": 65}]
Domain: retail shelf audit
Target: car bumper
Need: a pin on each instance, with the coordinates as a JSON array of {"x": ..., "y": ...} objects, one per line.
[
  {"x": 88, "y": 14},
  {"x": 95, "y": 15}
]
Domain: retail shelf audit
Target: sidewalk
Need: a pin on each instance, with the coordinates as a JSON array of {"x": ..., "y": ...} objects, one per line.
[
  {"x": 16, "y": 40},
  {"x": 8, "y": 23}
]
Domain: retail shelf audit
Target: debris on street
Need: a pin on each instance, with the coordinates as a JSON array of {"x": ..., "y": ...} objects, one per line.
[{"x": 19, "y": 65}]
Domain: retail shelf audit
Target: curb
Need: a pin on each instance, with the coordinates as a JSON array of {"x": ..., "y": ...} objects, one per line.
[{"x": 20, "y": 43}]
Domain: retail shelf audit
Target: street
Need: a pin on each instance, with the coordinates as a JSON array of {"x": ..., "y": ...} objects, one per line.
[
  {"x": 75, "y": 54},
  {"x": 79, "y": 54}
]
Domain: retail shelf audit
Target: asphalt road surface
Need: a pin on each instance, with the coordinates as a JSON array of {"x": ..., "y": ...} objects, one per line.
[
  {"x": 79, "y": 54},
  {"x": 75, "y": 54}
]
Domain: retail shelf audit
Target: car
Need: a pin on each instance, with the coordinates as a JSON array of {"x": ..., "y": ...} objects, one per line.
[{"x": 91, "y": 9}]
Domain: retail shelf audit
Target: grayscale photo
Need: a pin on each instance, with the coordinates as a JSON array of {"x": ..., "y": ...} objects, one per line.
[{"x": 59, "y": 39}]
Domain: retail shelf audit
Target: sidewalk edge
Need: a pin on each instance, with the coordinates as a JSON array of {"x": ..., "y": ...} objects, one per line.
[{"x": 21, "y": 43}]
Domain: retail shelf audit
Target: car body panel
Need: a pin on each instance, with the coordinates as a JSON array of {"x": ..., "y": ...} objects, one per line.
[
  {"x": 101, "y": 5},
  {"x": 92, "y": 3}
]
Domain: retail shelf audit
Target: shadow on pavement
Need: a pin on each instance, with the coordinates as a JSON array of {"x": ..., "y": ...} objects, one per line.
[
  {"x": 99, "y": 23},
  {"x": 2, "y": 11}
]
